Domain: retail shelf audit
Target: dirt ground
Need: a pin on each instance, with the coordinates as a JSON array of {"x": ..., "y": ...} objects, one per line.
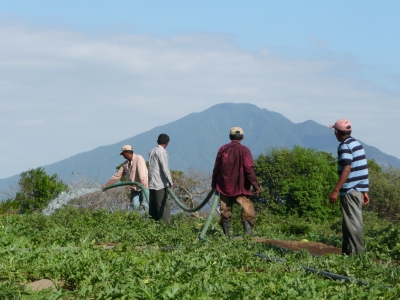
[{"x": 312, "y": 247}]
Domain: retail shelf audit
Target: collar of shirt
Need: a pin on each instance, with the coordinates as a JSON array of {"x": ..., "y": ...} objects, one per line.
[{"x": 130, "y": 161}]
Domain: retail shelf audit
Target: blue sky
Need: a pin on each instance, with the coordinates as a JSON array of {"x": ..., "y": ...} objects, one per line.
[{"x": 76, "y": 73}]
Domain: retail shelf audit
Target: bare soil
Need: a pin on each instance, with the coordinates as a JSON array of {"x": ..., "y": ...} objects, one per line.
[{"x": 312, "y": 247}]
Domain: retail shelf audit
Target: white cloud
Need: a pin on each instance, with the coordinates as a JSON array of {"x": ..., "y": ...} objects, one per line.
[{"x": 63, "y": 92}]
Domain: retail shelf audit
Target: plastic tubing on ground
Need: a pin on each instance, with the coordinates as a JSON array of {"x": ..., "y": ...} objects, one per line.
[{"x": 315, "y": 271}]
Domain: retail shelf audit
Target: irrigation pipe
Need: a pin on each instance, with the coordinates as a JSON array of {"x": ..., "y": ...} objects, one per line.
[
  {"x": 179, "y": 203},
  {"x": 315, "y": 271},
  {"x": 144, "y": 190},
  {"x": 209, "y": 218}
]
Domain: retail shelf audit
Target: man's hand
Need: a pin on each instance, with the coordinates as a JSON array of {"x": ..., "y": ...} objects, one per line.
[
  {"x": 365, "y": 198},
  {"x": 333, "y": 197},
  {"x": 257, "y": 192},
  {"x": 342, "y": 179}
]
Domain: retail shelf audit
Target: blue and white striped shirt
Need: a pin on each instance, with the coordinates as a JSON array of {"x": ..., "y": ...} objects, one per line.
[{"x": 351, "y": 152}]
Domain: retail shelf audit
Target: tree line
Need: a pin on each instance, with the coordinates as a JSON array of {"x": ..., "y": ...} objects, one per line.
[{"x": 295, "y": 181}]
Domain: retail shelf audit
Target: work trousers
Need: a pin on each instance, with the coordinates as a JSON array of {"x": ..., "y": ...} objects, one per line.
[
  {"x": 352, "y": 223},
  {"x": 159, "y": 208},
  {"x": 137, "y": 199},
  {"x": 248, "y": 212}
]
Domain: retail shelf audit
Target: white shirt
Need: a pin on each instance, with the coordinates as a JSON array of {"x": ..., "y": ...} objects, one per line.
[{"x": 159, "y": 174}]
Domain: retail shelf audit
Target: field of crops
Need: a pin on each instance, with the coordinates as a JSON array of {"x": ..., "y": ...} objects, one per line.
[{"x": 150, "y": 260}]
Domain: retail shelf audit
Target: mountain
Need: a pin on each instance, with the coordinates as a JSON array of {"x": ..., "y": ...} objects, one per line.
[{"x": 196, "y": 138}]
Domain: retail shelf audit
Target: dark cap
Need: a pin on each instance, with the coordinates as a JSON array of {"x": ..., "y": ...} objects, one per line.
[{"x": 163, "y": 139}]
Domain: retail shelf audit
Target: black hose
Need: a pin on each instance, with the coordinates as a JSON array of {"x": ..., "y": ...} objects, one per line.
[{"x": 315, "y": 271}]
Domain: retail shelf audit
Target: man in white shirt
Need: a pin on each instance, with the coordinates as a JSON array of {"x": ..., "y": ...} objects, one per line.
[{"x": 159, "y": 180}]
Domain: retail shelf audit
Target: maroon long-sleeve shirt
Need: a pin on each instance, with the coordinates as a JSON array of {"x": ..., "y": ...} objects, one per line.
[{"x": 233, "y": 172}]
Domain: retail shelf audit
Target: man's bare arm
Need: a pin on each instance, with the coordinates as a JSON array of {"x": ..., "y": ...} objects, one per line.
[{"x": 342, "y": 179}]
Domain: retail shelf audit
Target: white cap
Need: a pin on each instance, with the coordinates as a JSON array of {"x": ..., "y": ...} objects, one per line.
[
  {"x": 236, "y": 130},
  {"x": 126, "y": 148}
]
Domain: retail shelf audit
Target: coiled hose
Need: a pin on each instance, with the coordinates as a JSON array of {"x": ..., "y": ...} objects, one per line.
[{"x": 179, "y": 203}]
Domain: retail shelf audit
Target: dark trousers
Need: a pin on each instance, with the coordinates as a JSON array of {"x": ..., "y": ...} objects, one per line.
[{"x": 159, "y": 207}]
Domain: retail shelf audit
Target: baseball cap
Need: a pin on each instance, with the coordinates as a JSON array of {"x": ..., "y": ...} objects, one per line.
[
  {"x": 236, "y": 130},
  {"x": 342, "y": 124},
  {"x": 126, "y": 148}
]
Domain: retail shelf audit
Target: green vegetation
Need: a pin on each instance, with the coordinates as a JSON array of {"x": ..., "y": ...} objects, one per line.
[
  {"x": 155, "y": 260},
  {"x": 139, "y": 267},
  {"x": 298, "y": 182},
  {"x": 384, "y": 191},
  {"x": 9, "y": 206},
  {"x": 36, "y": 190}
]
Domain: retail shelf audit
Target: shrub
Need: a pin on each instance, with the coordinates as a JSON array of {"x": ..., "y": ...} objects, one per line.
[
  {"x": 296, "y": 229},
  {"x": 384, "y": 191},
  {"x": 9, "y": 206},
  {"x": 298, "y": 181},
  {"x": 37, "y": 189},
  {"x": 192, "y": 187}
]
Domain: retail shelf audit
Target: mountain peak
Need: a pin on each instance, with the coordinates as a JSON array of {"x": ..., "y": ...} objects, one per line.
[{"x": 196, "y": 138}]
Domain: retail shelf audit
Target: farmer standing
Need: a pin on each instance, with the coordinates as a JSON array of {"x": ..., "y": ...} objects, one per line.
[
  {"x": 352, "y": 187},
  {"x": 159, "y": 180},
  {"x": 233, "y": 175},
  {"x": 134, "y": 167}
]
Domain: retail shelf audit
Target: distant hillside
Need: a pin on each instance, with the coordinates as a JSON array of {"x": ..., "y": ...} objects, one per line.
[{"x": 195, "y": 140}]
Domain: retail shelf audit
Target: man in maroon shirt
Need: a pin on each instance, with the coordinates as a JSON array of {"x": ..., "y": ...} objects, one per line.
[{"x": 233, "y": 175}]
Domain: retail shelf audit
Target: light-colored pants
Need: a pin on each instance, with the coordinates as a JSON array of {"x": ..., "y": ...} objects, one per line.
[
  {"x": 248, "y": 212},
  {"x": 352, "y": 223},
  {"x": 137, "y": 199}
]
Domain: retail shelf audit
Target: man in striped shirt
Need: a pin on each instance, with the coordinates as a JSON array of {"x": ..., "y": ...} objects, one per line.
[{"x": 352, "y": 187}]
